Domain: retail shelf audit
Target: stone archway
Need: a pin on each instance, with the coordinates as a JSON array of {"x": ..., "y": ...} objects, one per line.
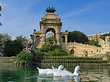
[
  {"x": 63, "y": 39},
  {"x": 55, "y": 31},
  {"x": 71, "y": 51},
  {"x": 51, "y": 22},
  {"x": 37, "y": 36},
  {"x": 51, "y": 30}
]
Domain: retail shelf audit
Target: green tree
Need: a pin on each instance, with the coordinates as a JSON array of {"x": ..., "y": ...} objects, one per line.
[
  {"x": 0, "y": 39},
  {"x": 52, "y": 49},
  {"x": 77, "y": 36},
  {"x": 4, "y": 37},
  {"x": 7, "y": 47},
  {"x": 12, "y": 47},
  {"x": 50, "y": 40},
  {"x": 93, "y": 42},
  {"x": 0, "y": 8},
  {"x": 104, "y": 35},
  {"x": 22, "y": 39},
  {"x": 23, "y": 56},
  {"x": 108, "y": 56}
]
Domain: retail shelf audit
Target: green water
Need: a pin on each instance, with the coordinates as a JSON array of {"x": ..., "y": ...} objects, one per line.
[{"x": 12, "y": 73}]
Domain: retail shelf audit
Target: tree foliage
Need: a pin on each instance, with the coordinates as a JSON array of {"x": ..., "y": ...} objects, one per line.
[
  {"x": 108, "y": 56},
  {"x": 52, "y": 49},
  {"x": 104, "y": 35},
  {"x": 11, "y": 48},
  {"x": 0, "y": 8},
  {"x": 22, "y": 39},
  {"x": 93, "y": 42},
  {"x": 50, "y": 40},
  {"x": 24, "y": 56},
  {"x": 77, "y": 36},
  {"x": 4, "y": 37}
]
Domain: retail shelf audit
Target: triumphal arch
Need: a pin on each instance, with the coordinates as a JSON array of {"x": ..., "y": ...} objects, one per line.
[{"x": 50, "y": 22}]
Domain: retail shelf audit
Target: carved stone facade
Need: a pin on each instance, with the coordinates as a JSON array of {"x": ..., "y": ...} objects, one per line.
[
  {"x": 83, "y": 50},
  {"x": 105, "y": 44},
  {"x": 50, "y": 22}
]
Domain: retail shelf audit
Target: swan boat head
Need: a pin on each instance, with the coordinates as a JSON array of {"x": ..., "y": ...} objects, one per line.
[
  {"x": 61, "y": 67},
  {"x": 76, "y": 71}
]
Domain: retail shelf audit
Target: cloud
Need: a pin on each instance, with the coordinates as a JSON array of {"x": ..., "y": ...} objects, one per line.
[
  {"x": 74, "y": 13},
  {"x": 30, "y": 4},
  {"x": 92, "y": 6}
]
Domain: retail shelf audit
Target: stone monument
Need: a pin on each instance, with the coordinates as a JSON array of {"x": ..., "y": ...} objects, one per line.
[{"x": 50, "y": 22}]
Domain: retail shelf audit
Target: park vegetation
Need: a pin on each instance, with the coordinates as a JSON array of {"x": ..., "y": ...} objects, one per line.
[
  {"x": 0, "y": 8},
  {"x": 108, "y": 57},
  {"x": 13, "y": 47},
  {"x": 93, "y": 42},
  {"x": 70, "y": 59},
  {"x": 77, "y": 36},
  {"x": 104, "y": 35},
  {"x": 24, "y": 56},
  {"x": 51, "y": 49},
  {"x": 4, "y": 37}
]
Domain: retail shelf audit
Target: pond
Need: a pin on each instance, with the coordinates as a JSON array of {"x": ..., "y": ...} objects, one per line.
[{"x": 12, "y": 73}]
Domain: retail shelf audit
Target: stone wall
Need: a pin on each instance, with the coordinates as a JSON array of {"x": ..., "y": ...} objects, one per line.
[
  {"x": 80, "y": 49},
  {"x": 105, "y": 44},
  {"x": 52, "y": 22}
]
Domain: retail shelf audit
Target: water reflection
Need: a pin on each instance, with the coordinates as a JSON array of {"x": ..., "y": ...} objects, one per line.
[
  {"x": 46, "y": 78},
  {"x": 11, "y": 73},
  {"x": 90, "y": 74}
]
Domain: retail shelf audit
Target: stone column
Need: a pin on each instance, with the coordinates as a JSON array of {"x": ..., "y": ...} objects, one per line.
[
  {"x": 58, "y": 37},
  {"x": 44, "y": 38},
  {"x": 43, "y": 41},
  {"x": 66, "y": 41}
]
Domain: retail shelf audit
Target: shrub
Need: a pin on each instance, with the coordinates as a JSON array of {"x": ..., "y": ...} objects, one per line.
[
  {"x": 23, "y": 56},
  {"x": 108, "y": 56},
  {"x": 44, "y": 49},
  {"x": 57, "y": 53},
  {"x": 104, "y": 35},
  {"x": 51, "y": 49},
  {"x": 93, "y": 42}
]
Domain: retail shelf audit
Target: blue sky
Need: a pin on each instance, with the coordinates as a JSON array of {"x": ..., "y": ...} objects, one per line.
[{"x": 20, "y": 17}]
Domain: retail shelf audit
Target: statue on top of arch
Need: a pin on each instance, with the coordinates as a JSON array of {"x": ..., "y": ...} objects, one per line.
[{"x": 52, "y": 10}]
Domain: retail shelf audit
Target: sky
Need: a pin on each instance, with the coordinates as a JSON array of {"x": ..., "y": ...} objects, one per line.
[{"x": 20, "y": 17}]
